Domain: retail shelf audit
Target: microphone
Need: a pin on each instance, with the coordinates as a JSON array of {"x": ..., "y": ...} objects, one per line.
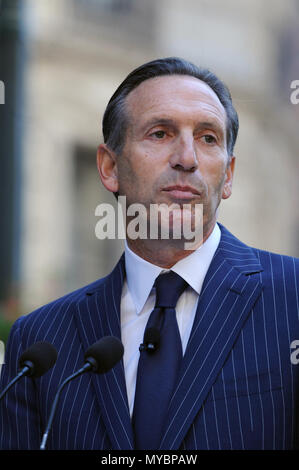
[
  {"x": 151, "y": 340},
  {"x": 100, "y": 357},
  {"x": 34, "y": 362}
]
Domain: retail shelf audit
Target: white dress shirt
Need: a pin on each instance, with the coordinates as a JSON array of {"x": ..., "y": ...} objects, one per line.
[{"x": 138, "y": 300}]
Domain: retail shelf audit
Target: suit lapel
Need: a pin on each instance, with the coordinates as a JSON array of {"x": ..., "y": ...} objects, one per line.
[
  {"x": 98, "y": 315},
  {"x": 228, "y": 295}
]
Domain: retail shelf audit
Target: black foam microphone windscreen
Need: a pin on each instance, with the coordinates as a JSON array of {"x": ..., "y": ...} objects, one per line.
[
  {"x": 100, "y": 357},
  {"x": 40, "y": 357},
  {"x": 104, "y": 354}
]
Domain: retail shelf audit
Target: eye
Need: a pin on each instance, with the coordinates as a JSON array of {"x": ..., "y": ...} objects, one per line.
[
  {"x": 209, "y": 139},
  {"x": 159, "y": 134}
]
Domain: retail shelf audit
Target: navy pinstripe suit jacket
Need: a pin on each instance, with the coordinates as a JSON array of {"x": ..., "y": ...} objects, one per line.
[{"x": 237, "y": 388}]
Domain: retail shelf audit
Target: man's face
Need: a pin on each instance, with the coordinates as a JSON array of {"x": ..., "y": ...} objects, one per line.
[{"x": 175, "y": 149}]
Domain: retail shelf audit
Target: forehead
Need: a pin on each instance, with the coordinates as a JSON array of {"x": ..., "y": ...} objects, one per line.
[{"x": 174, "y": 96}]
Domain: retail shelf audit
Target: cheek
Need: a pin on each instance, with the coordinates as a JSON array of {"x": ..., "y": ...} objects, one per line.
[
  {"x": 214, "y": 174},
  {"x": 127, "y": 180},
  {"x": 136, "y": 177}
]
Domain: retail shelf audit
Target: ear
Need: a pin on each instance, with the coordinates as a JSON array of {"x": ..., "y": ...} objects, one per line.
[
  {"x": 107, "y": 168},
  {"x": 227, "y": 188}
]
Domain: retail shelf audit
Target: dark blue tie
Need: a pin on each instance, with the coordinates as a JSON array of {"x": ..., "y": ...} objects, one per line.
[{"x": 157, "y": 371}]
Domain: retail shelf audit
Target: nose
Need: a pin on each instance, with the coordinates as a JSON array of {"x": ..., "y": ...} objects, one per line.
[{"x": 183, "y": 156}]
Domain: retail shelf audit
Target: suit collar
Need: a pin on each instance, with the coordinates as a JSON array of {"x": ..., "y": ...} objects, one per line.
[{"x": 240, "y": 256}]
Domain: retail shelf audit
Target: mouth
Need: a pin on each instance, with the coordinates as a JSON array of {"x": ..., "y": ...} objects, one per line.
[{"x": 181, "y": 192}]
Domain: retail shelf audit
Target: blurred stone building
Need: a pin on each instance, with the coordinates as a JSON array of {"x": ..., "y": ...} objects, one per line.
[{"x": 78, "y": 51}]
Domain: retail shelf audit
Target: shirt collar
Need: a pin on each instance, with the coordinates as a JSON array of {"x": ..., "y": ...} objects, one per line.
[{"x": 141, "y": 274}]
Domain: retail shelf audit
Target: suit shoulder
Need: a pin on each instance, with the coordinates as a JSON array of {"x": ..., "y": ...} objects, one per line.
[
  {"x": 61, "y": 309},
  {"x": 279, "y": 269},
  {"x": 269, "y": 258}
]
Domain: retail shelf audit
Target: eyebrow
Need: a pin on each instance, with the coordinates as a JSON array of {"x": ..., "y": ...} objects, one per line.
[
  {"x": 158, "y": 122},
  {"x": 170, "y": 122}
]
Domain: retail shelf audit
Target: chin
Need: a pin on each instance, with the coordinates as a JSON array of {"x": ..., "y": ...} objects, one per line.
[{"x": 182, "y": 223}]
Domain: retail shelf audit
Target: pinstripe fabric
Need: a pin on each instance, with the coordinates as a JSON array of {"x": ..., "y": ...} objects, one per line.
[{"x": 237, "y": 388}]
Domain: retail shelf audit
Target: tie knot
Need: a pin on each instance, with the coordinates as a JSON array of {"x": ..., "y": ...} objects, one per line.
[{"x": 169, "y": 287}]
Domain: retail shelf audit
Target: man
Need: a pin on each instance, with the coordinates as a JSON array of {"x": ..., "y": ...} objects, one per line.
[{"x": 169, "y": 133}]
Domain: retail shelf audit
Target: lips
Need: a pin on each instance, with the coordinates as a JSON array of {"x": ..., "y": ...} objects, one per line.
[{"x": 181, "y": 192}]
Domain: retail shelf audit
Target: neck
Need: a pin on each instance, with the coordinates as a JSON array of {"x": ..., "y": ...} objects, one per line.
[{"x": 164, "y": 253}]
